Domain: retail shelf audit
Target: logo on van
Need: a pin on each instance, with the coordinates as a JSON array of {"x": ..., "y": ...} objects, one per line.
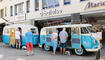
[
  {"x": 51, "y": 12},
  {"x": 93, "y": 5}
]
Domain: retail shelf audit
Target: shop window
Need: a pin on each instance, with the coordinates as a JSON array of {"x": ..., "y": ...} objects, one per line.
[
  {"x": 36, "y": 5},
  {"x": 83, "y": 0},
  {"x": 11, "y": 10},
  {"x": 28, "y": 6},
  {"x": 19, "y": 9},
  {"x": 50, "y": 3},
  {"x": 2, "y": 13},
  {"x": 66, "y": 2}
]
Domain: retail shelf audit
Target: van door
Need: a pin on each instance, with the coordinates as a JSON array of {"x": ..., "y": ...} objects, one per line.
[
  {"x": 35, "y": 36},
  {"x": 48, "y": 36},
  {"x": 12, "y": 36},
  {"x": 75, "y": 37},
  {"x": 48, "y": 39}
]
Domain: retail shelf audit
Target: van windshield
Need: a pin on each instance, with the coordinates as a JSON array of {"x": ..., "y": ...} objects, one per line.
[
  {"x": 84, "y": 30},
  {"x": 91, "y": 30}
]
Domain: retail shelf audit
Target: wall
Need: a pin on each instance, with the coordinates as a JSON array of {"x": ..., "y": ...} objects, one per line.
[{"x": 63, "y": 10}]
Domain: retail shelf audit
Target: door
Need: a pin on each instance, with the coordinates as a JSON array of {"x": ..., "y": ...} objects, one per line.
[
  {"x": 48, "y": 36},
  {"x": 12, "y": 36},
  {"x": 76, "y": 37},
  {"x": 35, "y": 36}
]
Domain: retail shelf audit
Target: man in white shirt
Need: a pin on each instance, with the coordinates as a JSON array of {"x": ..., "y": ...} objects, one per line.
[
  {"x": 17, "y": 37},
  {"x": 63, "y": 38}
]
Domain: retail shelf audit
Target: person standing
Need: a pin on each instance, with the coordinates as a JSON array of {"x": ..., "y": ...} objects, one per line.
[
  {"x": 54, "y": 38},
  {"x": 17, "y": 37},
  {"x": 20, "y": 30},
  {"x": 63, "y": 38},
  {"x": 29, "y": 42}
]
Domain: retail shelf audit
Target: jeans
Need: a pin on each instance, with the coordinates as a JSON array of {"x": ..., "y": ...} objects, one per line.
[{"x": 54, "y": 44}]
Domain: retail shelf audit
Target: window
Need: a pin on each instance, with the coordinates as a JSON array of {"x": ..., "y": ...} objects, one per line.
[
  {"x": 84, "y": 30},
  {"x": 6, "y": 30},
  {"x": 28, "y": 6},
  {"x": 92, "y": 30},
  {"x": 82, "y": 0},
  {"x": 36, "y": 5},
  {"x": 5, "y": 11},
  {"x": 67, "y": 2},
  {"x": 1, "y": 0},
  {"x": 50, "y": 31},
  {"x": 19, "y": 9},
  {"x": 50, "y": 3},
  {"x": 33, "y": 30},
  {"x": 11, "y": 10},
  {"x": 1, "y": 13}
]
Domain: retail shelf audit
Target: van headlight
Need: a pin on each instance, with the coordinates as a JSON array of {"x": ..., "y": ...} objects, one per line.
[{"x": 95, "y": 42}]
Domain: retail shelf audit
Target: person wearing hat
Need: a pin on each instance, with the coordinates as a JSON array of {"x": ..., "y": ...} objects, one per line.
[{"x": 54, "y": 38}]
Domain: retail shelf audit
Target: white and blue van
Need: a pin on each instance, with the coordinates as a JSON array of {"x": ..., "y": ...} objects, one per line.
[
  {"x": 9, "y": 34},
  {"x": 80, "y": 38}
]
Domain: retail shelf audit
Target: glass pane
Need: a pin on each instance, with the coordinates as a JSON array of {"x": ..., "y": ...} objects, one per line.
[
  {"x": 91, "y": 29},
  {"x": 84, "y": 30},
  {"x": 37, "y": 5},
  {"x": 50, "y": 3},
  {"x": 66, "y": 2}
]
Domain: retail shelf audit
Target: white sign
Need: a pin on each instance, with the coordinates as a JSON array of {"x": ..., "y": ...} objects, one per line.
[{"x": 20, "y": 17}]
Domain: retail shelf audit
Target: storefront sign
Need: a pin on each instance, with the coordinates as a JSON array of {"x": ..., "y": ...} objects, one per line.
[
  {"x": 54, "y": 22},
  {"x": 20, "y": 17},
  {"x": 51, "y": 12},
  {"x": 94, "y": 5}
]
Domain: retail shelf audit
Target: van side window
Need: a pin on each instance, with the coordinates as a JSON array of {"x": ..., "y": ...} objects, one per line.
[
  {"x": 84, "y": 30},
  {"x": 49, "y": 31},
  {"x": 75, "y": 31},
  {"x": 33, "y": 30},
  {"x": 6, "y": 30}
]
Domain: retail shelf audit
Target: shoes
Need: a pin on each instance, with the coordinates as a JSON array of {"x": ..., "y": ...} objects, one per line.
[
  {"x": 27, "y": 54},
  {"x": 32, "y": 54}
]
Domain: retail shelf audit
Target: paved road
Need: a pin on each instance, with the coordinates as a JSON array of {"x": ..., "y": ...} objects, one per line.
[{"x": 8, "y": 53}]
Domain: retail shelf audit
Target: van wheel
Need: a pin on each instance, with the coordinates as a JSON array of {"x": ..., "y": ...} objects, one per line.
[
  {"x": 46, "y": 47},
  {"x": 80, "y": 51}
]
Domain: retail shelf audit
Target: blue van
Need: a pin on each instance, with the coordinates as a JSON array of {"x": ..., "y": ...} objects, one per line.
[
  {"x": 81, "y": 38},
  {"x": 9, "y": 34}
]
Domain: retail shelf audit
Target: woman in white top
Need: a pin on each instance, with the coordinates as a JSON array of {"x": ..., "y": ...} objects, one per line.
[{"x": 17, "y": 37}]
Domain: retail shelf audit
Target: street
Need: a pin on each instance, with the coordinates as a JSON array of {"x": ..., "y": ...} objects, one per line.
[{"x": 8, "y": 53}]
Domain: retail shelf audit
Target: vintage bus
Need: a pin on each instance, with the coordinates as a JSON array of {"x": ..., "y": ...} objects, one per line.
[
  {"x": 81, "y": 38},
  {"x": 9, "y": 34}
]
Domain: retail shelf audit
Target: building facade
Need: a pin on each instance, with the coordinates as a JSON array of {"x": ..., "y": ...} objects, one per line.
[
  {"x": 42, "y": 11},
  {"x": 3, "y": 14},
  {"x": 45, "y": 12},
  {"x": 3, "y": 10}
]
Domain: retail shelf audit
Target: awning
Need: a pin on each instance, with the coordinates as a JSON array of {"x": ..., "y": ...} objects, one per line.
[
  {"x": 2, "y": 21},
  {"x": 94, "y": 12}
]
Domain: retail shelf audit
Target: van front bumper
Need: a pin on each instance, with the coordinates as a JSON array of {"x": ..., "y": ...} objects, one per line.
[{"x": 92, "y": 50}]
